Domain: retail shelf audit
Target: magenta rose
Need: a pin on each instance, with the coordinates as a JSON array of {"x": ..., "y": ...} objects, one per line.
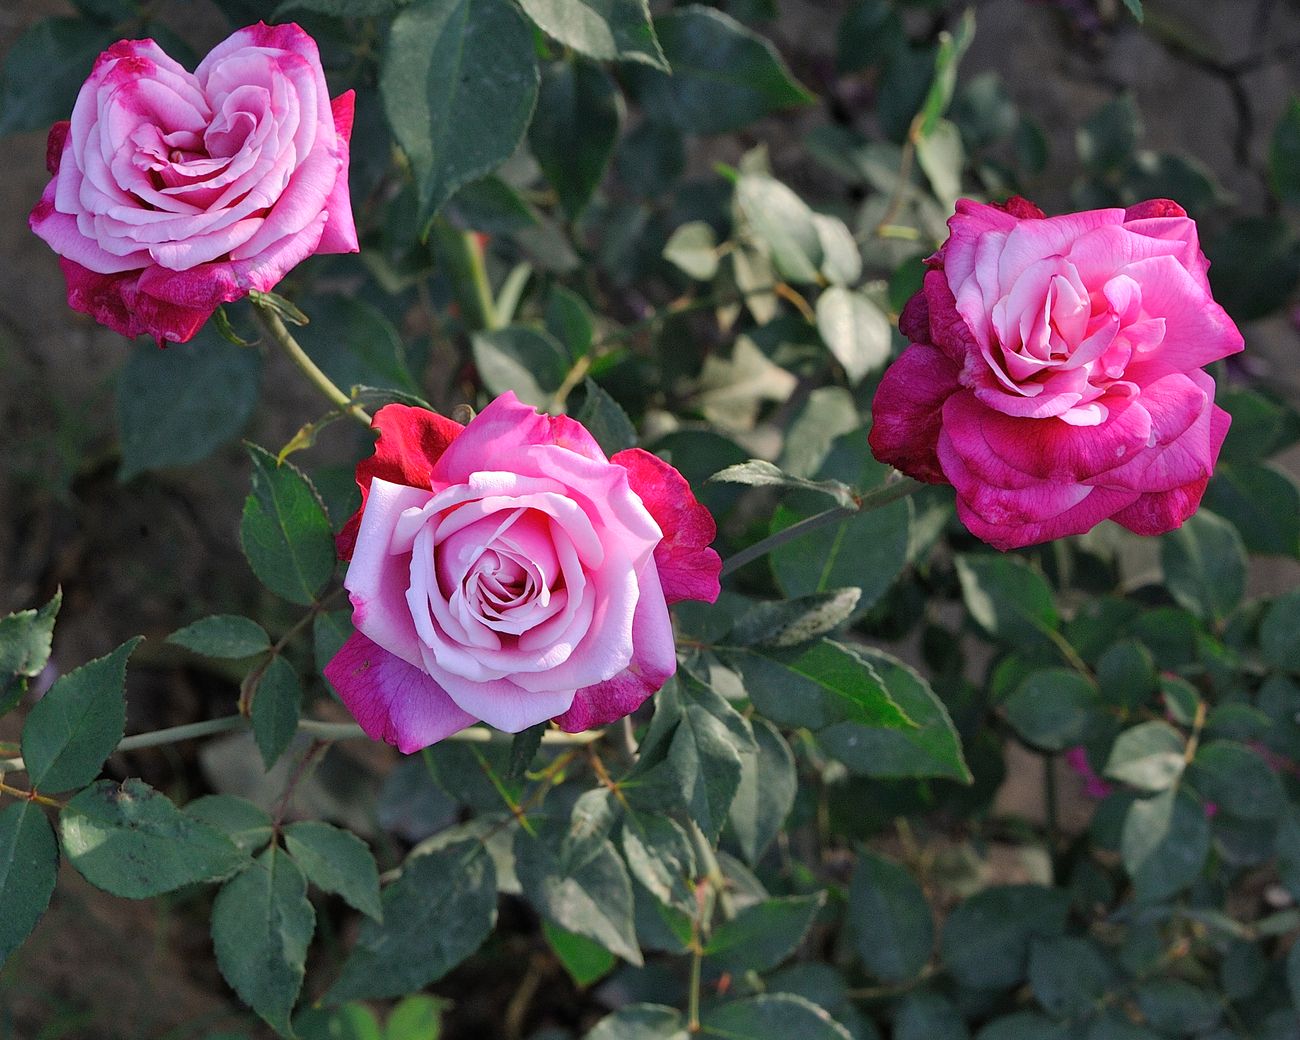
[
  {"x": 1054, "y": 373},
  {"x": 176, "y": 192},
  {"x": 507, "y": 571}
]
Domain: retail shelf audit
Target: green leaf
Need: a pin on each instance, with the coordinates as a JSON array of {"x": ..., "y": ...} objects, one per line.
[
  {"x": 818, "y": 686},
  {"x": 285, "y": 532},
  {"x": 77, "y": 724},
  {"x": 29, "y": 865},
  {"x": 176, "y": 406},
  {"x": 772, "y": 1015},
  {"x": 1205, "y": 565},
  {"x": 1053, "y": 707},
  {"x": 130, "y": 840},
  {"x": 417, "y": 1017},
  {"x": 1165, "y": 841},
  {"x": 580, "y": 885},
  {"x": 1279, "y": 633},
  {"x": 608, "y": 30},
  {"x": 572, "y": 135},
  {"x": 889, "y": 919},
  {"x": 1262, "y": 503},
  {"x": 1006, "y": 598},
  {"x": 1135, "y": 8},
  {"x": 1127, "y": 675},
  {"x": 1107, "y": 139},
  {"x": 693, "y": 248},
  {"x": 761, "y": 936},
  {"x": 355, "y": 344},
  {"x": 1149, "y": 756},
  {"x": 723, "y": 75},
  {"x": 526, "y": 360},
  {"x": 605, "y": 419},
  {"x": 262, "y": 924},
  {"x": 44, "y": 70},
  {"x": 1255, "y": 262},
  {"x": 458, "y": 81},
  {"x": 1237, "y": 780},
  {"x": 1069, "y": 976},
  {"x": 766, "y": 793},
  {"x": 783, "y": 223},
  {"x": 585, "y": 961},
  {"x": 660, "y": 855},
  {"x": 223, "y": 635},
  {"x": 277, "y": 705},
  {"x": 340, "y": 8},
  {"x": 760, "y": 473},
  {"x": 641, "y": 1022},
  {"x": 437, "y": 913},
  {"x": 570, "y": 321},
  {"x": 947, "y": 58},
  {"x": 26, "y": 638},
  {"x": 841, "y": 258},
  {"x": 986, "y": 939},
  {"x": 785, "y": 624},
  {"x": 1176, "y": 1007},
  {"x": 247, "y": 825},
  {"x": 1025, "y": 1025},
  {"x": 351, "y": 1022},
  {"x": 336, "y": 861},
  {"x": 855, "y": 330},
  {"x": 1284, "y": 155},
  {"x": 926, "y": 1015}
]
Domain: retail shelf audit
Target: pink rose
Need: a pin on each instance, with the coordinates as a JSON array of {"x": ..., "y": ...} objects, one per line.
[
  {"x": 174, "y": 193},
  {"x": 1054, "y": 375},
  {"x": 508, "y": 571}
]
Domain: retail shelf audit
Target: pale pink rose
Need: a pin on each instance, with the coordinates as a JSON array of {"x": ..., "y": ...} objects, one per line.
[
  {"x": 176, "y": 192},
  {"x": 507, "y": 571},
  {"x": 1054, "y": 374}
]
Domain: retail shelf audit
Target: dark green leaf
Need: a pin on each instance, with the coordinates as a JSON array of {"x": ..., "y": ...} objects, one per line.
[
  {"x": 1205, "y": 565},
  {"x": 723, "y": 75},
  {"x": 491, "y": 206},
  {"x": 262, "y": 924},
  {"x": 582, "y": 886},
  {"x": 526, "y": 360},
  {"x": 284, "y": 530},
  {"x": 458, "y": 81},
  {"x": 768, "y": 785},
  {"x": 244, "y": 823},
  {"x": 1025, "y": 1025},
  {"x": 29, "y": 864},
  {"x": 650, "y": 158},
  {"x": 1149, "y": 756},
  {"x": 277, "y": 704},
  {"x": 609, "y": 30},
  {"x": 770, "y": 1016},
  {"x": 354, "y": 344},
  {"x": 986, "y": 939},
  {"x": 641, "y": 1022},
  {"x": 1177, "y": 1007},
  {"x": 1052, "y": 708},
  {"x": 1279, "y": 633},
  {"x": 177, "y": 406},
  {"x": 329, "y": 631},
  {"x": 1165, "y": 841},
  {"x": 1006, "y": 598},
  {"x": 952, "y": 47},
  {"x": 660, "y": 855},
  {"x": 1284, "y": 155},
  {"x": 340, "y": 8},
  {"x": 130, "y": 840},
  {"x": 572, "y": 135},
  {"x": 1262, "y": 503},
  {"x": 1106, "y": 141},
  {"x": 1069, "y": 976},
  {"x": 223, "y": 635},
  {"x": 570, "y": 321},
  {"x": 585, "y": 961},
  {"x": 926, "y": 1015},
  {"x": 77, "y": 724},
  {"x": 868, "y": 35},
  {"x": 436, "y": 914},
  {"x": 25, "y": 639},
  {"x": 350, "y": 1022},
  {"x": 1254, "y": 266},
  {"x": 605, "y": 420},
  {"x": 45, "y": 69},
  {"x": 763, "y": 935},
  {"x": 889, "y": 919},
  {"x": 856, "y": 331},
  {"x": 1237, "y": 780},
  {"x": 336, "y": 861},
  {"x": 1127, "y": 675},
  {"x": 785, "y": 624}
]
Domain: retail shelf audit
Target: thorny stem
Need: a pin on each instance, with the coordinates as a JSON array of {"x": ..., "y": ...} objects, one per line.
[
  {"x": 29, "y": 796},
  {"x": 880, "y": 497},
  {"x": 274, "y": 327}
]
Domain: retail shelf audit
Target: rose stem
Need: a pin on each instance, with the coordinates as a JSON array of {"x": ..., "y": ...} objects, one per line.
[
  {"x": 878, "y": 498},
  {"x": 312, "y": 727},
  {"x": 275, "y": 328}
]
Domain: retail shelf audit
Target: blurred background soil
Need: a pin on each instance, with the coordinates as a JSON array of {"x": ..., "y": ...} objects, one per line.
[{"x": 1210, "y": 78}]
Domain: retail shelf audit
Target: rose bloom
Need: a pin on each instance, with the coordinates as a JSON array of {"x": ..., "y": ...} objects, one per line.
[
  {"x": 176, "y": 192},
  {"x": 1054, "y": 373},
  {"x": 507, "y": 571}
]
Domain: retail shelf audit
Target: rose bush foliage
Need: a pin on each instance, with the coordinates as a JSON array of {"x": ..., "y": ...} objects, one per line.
[
  {"x": 174, "y": 192},
  {"x": 802, "y": 794}
]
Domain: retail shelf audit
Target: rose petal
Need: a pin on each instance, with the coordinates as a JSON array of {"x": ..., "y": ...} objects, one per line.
[{"x": 907, "y": 411}]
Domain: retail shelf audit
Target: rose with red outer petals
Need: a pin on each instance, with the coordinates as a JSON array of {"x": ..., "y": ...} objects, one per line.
[
  {"x": 507, "y": 571},
  {"x": 174, "y": 192},
  {"x": 1054, "y": 376}
]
